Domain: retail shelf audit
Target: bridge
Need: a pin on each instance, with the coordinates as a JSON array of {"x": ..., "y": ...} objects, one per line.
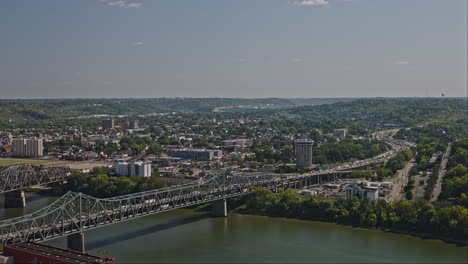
[
  {"x": 14, "y": 178},
  {"x": 20, "y": 176},
  {"x": 74, "y": 213}
]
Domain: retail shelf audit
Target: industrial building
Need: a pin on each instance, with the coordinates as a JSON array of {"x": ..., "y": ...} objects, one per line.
[
  {"x": 137, "y": 168},
  {"x": 197, "y": 154},
  {"x": 303, "y": 152},
  {"x": 32, "y": 147},
  {"x": 362, "y": 190}
]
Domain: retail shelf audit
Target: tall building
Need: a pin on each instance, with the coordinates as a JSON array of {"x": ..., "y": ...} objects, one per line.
[
  {"x": 138, "y": 168},
  {"x": 121, "y": 169},
  {"x": 131, "y": 124},
  {"x": 340, "y": 133},
  {"x": 107, "y": 124},
  {"x": 32, "y": 147},
  {"x": 303, "y": 153}
]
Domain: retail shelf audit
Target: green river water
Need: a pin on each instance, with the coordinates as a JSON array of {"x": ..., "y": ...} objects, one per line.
[{"x": 190, "y": 236}]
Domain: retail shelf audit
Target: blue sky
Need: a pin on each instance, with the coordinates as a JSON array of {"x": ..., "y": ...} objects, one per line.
[{"x": 232, "y": 48}]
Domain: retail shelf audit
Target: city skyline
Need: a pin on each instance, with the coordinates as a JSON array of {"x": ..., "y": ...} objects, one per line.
[{"x": 233, "y": 49}]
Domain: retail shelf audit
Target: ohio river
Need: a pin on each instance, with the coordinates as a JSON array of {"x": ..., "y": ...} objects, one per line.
[{"x": 189, "y": 236}]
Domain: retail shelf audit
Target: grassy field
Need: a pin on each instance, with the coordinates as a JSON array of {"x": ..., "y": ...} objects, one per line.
[
  {"x": 9, "y": 162},
  {"x": 4, "y": 162}
]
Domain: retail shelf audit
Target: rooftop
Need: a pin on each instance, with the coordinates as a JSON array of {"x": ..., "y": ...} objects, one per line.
[{"x": 57, "y": 253}]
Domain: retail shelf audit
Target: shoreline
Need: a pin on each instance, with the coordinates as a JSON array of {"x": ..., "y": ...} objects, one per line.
[
  {"x": 458, "y": 243},
  {"x": 205, "y": 207}
]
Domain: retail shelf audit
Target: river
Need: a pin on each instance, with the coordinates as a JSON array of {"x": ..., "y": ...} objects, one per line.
[{"x": 187, "y": 235}]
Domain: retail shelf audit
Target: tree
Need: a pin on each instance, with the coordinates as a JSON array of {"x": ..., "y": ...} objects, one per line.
[
  {"x": 155, "y": 148},
  {"x": 111, "y": 148}
]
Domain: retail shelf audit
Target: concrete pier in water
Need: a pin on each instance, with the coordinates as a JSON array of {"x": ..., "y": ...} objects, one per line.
[
  {"x": 57, "y": 187},
  {"x": 219, "y": 208},
  {"x": 76, "y": 242},
  {"x": 15, "y": 199}
]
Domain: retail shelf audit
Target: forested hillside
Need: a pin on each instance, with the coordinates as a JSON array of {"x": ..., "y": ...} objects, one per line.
[
  {"x": 354, "y": 114},
  {"x": 390, "y": 111}
]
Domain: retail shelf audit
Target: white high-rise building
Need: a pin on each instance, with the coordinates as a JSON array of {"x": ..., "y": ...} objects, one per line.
[
  {"x": 139, "y": 168},
  {"x": 32, "y": 147},
  {"x": 121, "y": 169},
  {"x": 303, "y": 153}
]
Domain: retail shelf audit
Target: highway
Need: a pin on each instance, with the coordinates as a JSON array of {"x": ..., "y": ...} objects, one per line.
[
  {"x": 401, "y": 182},
  {"x": 442, "y": 171}
]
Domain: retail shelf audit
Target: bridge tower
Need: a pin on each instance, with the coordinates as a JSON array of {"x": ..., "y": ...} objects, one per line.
[{"x": 15, "y": 199}]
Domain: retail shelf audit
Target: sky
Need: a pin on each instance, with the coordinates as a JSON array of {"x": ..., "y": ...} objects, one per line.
[{"x": 232, "y": 48}]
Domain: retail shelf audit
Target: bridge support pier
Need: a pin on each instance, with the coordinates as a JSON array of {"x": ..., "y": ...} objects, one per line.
[
  {"x": 219, "y": 208},
  {"x": 15, "y": 199},
  {"x": 57, "y": 188},
  {"x": 76, "y": 242}
]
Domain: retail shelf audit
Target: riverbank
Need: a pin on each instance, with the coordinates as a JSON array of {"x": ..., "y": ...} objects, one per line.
[
  {"x": 419, "y": 219},
  {"x": 461, "y": 243}
]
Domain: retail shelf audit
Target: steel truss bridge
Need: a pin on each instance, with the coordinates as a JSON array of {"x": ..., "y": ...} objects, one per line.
[
  {"x": 20, "y": 176},
  {"x": 78, "y": 212}
]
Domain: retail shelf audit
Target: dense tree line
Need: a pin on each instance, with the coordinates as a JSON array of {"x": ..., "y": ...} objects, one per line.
[
  {"x": 138, "y": 144},
  {"x": 378, "y": 172},
  {"x": 390, "y": 168},
  {"x": 277, "y": 150},
  {"x": 432, "y": 181},
  {"x": 281, "y": 150},
  {"x": 101, "y": 185},
  {"x": 455, "y": 184},
  {"x": 443, "y": 132},
  {"x": 412, "y": 216},
  {"x": 346, "y": 150}
]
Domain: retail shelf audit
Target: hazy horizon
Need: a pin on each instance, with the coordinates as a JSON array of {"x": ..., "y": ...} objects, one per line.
[
  {"x": 217, "y": 97},
  {"x": 233, "y": 49}
]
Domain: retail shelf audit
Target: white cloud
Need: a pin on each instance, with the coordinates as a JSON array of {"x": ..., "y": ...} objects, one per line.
[
  {"x": 137, "y": 43},
  {"x": 122, "y": 3},
  {"x": 311, "y": 3},
  {"x": 133, "y": 5}
]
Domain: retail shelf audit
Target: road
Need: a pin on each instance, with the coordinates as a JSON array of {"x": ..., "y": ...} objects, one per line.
[
  {"x": 442, "y": 171},
  {"x": 401, "y": 182},
  {"x": 138, "y": 157}
]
